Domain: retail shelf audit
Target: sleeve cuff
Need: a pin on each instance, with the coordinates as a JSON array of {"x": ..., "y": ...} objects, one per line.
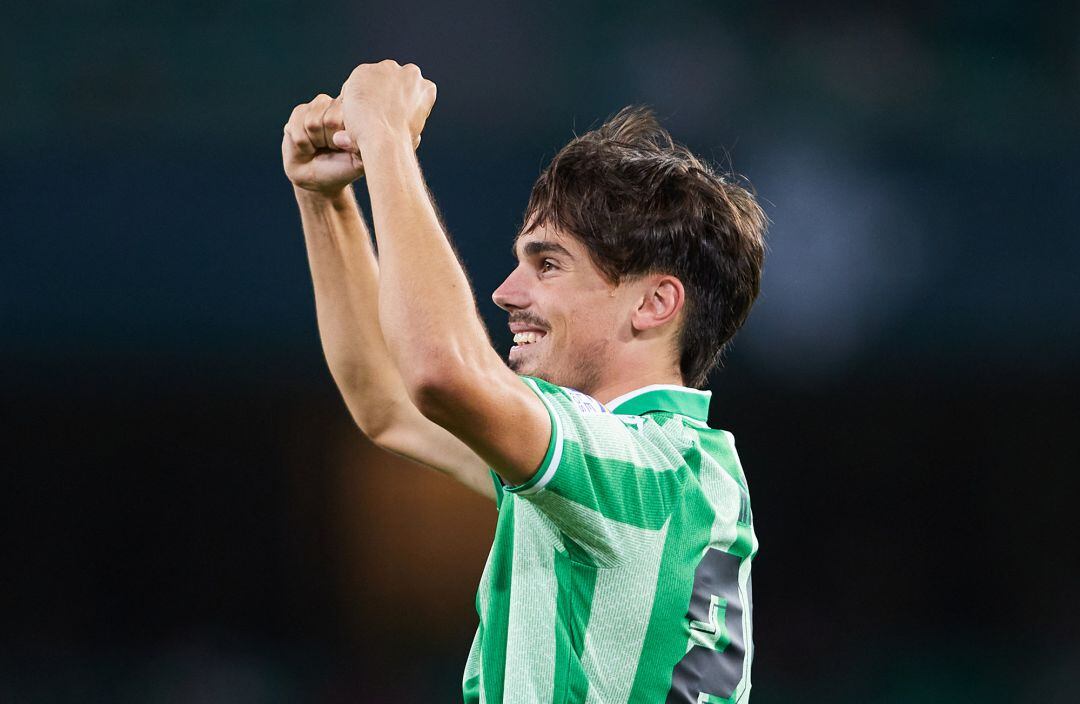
[
  {"x": 498, "y": 488},
  {"x": 550, "y": 464}
]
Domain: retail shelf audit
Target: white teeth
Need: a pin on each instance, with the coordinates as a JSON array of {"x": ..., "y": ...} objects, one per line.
[{"x": 526, "y": 338}]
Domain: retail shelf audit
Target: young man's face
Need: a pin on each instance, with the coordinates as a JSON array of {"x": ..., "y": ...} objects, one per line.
[{"x": 566, "y": 317}]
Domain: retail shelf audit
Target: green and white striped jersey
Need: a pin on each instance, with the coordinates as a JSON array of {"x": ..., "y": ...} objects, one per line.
[{"x": 621, "y": 571}]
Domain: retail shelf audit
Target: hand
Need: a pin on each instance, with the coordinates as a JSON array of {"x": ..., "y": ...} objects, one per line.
[
  {"x": 384, "y": 100},
  {"x": 311, "y": 160}
]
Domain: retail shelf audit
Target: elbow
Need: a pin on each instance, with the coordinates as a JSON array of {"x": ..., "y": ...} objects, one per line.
[
  {"x": 437, "y": 390},
  {"x": 375, "y": 421},
  {"x": 443, "y": 380},
  {"x": 383, "y": 436},
  {"x": 434, "y": 397},
  {"x": 371, "y": 409},
  {"x": 376, "y": 427}
]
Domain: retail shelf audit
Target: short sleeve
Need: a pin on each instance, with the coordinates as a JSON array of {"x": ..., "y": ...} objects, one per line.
[
  {"x": 607, "y": 481},
  {"x": 500, "y": 489}
]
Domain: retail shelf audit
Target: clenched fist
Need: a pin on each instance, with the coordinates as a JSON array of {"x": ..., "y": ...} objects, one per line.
[
  {"x": 384, "y": 100},
  {"x": 312, "y": 160}
]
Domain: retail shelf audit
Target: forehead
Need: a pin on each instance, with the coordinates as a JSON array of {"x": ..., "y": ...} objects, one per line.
[{"x": 544, "y": 239}]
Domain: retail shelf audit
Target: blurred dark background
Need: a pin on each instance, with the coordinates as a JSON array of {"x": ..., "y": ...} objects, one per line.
[{"x": 187, "y": 513}]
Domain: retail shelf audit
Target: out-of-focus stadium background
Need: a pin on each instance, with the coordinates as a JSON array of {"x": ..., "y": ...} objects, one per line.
[{"x": 187, "y": 514}]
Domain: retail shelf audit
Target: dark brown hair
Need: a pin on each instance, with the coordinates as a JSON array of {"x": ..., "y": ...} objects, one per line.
[{"x": 642, "y": 204}]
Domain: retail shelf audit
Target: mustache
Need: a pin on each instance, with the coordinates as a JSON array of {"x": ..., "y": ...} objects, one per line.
[{"x": 528, "y": 319}]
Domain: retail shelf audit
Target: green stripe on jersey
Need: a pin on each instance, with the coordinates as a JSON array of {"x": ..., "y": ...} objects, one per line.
[{"x": 620, "y": 572}]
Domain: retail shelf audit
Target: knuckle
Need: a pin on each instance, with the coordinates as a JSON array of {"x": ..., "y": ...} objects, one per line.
[
  {"x": 311, "y": 117},
  {"x": 333, "y": 118},
  {"x": 300, "y": 140}
]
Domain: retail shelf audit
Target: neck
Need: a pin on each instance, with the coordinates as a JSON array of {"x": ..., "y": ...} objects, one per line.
[
  {"x": 606, "y": 391},
  {"x": 631, "y": 367}
]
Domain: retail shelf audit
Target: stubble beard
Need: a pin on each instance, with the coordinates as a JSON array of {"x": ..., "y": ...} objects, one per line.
[{"x": 583, "y": 373}]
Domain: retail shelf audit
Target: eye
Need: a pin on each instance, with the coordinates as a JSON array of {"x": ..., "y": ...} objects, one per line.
[{"x": 547, "y": 265}]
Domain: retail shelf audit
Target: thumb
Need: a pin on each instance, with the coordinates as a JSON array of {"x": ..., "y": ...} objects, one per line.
[{"x": 343, "y": 141}]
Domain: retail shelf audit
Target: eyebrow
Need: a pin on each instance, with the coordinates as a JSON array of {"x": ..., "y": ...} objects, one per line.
[{"x": 537, "y": 247}]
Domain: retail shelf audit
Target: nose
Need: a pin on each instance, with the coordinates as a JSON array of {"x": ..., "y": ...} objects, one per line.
[{"x": 512, "y": 293}]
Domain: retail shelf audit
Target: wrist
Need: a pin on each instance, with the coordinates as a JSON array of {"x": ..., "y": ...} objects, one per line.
[
  {"x": 384, "y": 139},
  {"x": 336, "y": 199}
]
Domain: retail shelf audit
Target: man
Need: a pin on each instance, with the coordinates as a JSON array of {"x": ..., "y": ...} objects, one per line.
[{"x": 620, "y": 569}]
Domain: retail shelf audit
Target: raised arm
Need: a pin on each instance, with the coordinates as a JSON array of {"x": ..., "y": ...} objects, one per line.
[
  {"x": 426, "y": 306},
  {"x": 345, "y": 274}
]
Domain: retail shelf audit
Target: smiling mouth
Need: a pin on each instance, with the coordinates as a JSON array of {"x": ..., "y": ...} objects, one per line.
[
  {"x": 528, "y": 337},
  {"x": 525, "y": 339}
]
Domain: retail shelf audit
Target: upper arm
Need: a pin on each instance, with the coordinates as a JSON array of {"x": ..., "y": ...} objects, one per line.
[
  {"x": 413, "y": 436},
  {"x": 494, "y": 414}
]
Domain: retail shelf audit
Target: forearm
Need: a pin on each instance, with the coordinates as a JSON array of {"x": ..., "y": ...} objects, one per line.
[
  {"x": 426, "y": 307},
  {"x": 345, "y": 275},
  {"x": 427, "y": 311},
  {"x": 433, "y": 331}
]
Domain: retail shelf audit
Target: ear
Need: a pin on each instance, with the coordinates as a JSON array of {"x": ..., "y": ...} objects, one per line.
[{"x": 662, "y": 298}]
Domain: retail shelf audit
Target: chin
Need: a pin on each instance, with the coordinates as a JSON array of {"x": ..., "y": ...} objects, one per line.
[{"x": 523, "y": 367}]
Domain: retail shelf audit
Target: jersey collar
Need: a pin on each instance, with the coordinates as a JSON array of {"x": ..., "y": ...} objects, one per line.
[{"x": 693, "y": 403}]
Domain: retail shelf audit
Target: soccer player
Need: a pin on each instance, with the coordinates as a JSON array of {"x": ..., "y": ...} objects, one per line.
[{"x": 620, "y": 568}]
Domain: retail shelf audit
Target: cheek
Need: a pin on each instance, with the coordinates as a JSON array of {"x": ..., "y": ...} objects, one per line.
[
  {"x": 588, "y": 324},
  {"x": 580, "y": 314}
]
